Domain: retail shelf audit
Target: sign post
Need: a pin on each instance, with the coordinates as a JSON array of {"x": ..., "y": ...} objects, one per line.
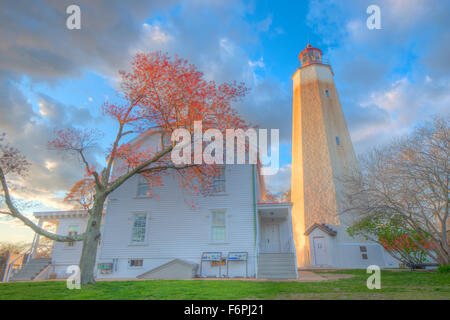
[
  {"x": 211, "y": 256},
  {"x": 238, "y": 256}
]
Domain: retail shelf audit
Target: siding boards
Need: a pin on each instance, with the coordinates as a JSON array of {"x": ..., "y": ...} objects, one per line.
[{"x": 174, "y": 229}]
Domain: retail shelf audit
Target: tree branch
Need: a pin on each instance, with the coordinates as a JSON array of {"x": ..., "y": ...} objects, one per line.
[
  {"x": 16, "y": 214},
  {"x": 119, "y": 181},
  {"x": 94, "y": 173}
]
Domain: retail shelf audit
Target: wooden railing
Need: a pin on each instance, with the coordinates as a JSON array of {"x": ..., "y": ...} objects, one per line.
[{"x": 15, "y": 266}]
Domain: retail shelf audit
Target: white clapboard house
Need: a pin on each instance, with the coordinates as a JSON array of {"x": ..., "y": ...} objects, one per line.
[{"x": 229, "y": 233}]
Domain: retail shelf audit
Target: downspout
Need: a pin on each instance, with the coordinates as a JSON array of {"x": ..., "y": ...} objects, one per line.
[
  {"x": 255, "y": 222},
  {"x": 5, "y": 274},
  {"x": 254, "y": 202},
  {"x": 35, "y": 243}
]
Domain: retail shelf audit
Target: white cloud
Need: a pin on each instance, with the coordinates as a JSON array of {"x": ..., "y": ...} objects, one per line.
[
  {"x": 156, "y": 34},
  {"x": 43, "y": 49},
  {"x": 42, "y": 109},
  {"x": 388, "y": 79},
  {"x": 50, "y": 165},
  {"x": 16, "y": 223},
  {"x": 279, "y": 182},
  {"x": 265, "y": 24},
  {"x": 227, "y": 46},
  {"x": 258, "y": 63}
]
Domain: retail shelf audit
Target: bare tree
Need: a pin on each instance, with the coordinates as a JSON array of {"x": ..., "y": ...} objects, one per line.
[
  {"x": 279, "y": 197},
  {"x": 286, "y": 196},
  {"x": 9, "y": 247},
  {"x": 407, "y": 182}
]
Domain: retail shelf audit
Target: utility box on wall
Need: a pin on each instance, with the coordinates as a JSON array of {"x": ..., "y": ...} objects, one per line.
[{"x": 105, "y": 268}]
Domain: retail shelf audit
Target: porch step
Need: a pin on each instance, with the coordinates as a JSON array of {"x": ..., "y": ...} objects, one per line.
[
  {"x": 276, "y": 266},
  {"x": 275, "y": 255},
  {"x": 31, "y": 270}
]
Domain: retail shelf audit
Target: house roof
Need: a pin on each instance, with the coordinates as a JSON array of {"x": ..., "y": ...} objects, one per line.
[
  {"x": 323, "y": 227},
  {"x": 61, "y": 214},
  {"x": 274, "y": 204},
  {"x": 260, "y": 178}
]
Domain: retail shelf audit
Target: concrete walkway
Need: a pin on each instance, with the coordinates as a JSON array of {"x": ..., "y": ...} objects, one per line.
[
  {"x": 309, "y": 276},
  {"x": 303, "y": 276}
]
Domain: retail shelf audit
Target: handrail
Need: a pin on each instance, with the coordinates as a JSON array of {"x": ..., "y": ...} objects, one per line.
[
  {"x": 10, "y": 264},
  {"x": 30, "y": 254},
  {"x": 45, "y": 252}
]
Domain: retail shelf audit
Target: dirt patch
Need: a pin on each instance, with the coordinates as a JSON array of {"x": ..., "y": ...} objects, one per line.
[{"x": 335, "y": 276}]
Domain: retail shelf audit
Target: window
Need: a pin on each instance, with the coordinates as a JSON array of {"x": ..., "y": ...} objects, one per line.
[
  {"x": 142, "y": 186},
  {"x": 219, "y": 180},
  {"x": 364, "y": 256},
  {"x": 139, "y": 228},
  {"x": 327, "y": 93},
  {"x": 363, "y": 248},
  {"x": 72, "y": 231},
  {"x": 101, "y": 234},
  {"x": 338, "y": 141},
  {"x": 216, "y": 184},
  {"x": 166, "y": 140},
  {"x": 218, "y": 226},
  {"x": 135, "y": 263}
]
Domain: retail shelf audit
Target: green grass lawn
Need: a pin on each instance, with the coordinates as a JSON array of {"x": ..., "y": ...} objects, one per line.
[{"x": 395, "y": 285}]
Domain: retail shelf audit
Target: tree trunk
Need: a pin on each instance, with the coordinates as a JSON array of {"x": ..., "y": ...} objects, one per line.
[
  {"x": 445, "y": 242},
  {"x": 90, "y": 242}
]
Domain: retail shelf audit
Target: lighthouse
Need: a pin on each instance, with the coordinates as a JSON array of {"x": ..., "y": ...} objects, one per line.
[{"x": 322, "y": 154}]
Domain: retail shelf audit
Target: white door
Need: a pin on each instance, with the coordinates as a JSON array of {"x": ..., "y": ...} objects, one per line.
[
  {"x": 271, "y": 238},
  {"x": 320, "y": 251}
]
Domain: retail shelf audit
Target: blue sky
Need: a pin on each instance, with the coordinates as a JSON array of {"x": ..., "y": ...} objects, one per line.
[{"x": 388, "y": 80}]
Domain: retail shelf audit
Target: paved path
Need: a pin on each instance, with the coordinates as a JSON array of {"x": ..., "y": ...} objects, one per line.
[
  {"x": 309, "y": 276},
  {"x": 303, "y": 276}
]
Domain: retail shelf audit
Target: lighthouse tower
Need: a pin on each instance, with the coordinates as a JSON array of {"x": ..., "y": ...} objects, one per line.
[{"x": 322, "y": 152}]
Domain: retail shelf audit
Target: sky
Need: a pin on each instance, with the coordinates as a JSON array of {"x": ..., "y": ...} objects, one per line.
[{"x": 388, "y": 80}]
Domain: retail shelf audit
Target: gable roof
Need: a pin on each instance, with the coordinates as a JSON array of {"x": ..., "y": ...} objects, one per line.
[
  {"x": 323, "y": 227},
  {"x": 61, "y": 214},
  {"x": 157, "y": 130}
]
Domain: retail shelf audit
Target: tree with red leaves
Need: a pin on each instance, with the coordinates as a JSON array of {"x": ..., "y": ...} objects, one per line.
[
  {"x": 159, "y": 95},
  {"x": 82, "y": 194}
]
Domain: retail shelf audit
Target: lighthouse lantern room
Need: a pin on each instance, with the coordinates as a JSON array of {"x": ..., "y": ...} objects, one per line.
[{"x": 310, "y": 55}]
